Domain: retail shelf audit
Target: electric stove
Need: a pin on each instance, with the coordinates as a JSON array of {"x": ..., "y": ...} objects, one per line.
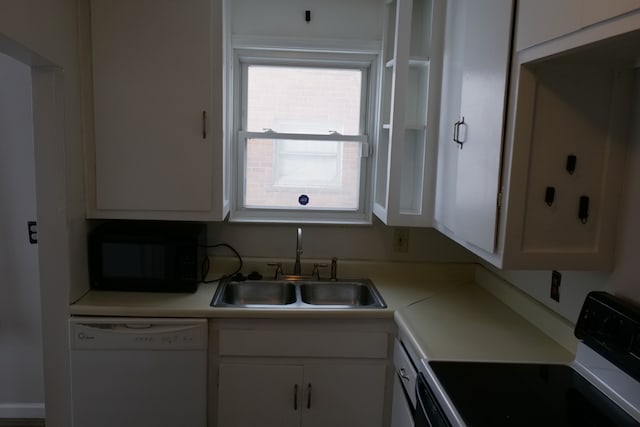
[{"x": 600, "y": 388}]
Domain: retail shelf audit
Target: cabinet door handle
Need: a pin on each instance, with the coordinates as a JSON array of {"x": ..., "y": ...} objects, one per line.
[
  {"x": 295, "y": 397},
  {"x": 204, "y": 124},
  {"x": 456, "y": 132},
  {"x": 309, "y": 396}
]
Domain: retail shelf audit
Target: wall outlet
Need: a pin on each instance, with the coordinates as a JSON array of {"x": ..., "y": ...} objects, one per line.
[{"x": 401, "y": 240}]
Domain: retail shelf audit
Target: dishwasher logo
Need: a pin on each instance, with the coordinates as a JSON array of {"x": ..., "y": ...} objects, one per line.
[{"x": 82, "y": 336}]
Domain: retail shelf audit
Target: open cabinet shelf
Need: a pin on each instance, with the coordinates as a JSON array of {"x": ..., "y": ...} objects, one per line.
[{"x": 406, "y": 151}]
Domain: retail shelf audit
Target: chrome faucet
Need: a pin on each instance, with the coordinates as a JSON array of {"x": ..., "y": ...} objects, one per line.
[{"x": 297, "y": 269}]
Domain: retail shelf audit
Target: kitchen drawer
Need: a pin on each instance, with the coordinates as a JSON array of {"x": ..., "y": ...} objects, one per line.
[
  {"x": 299, "y": 343},
  {"x": 405, "y": 370}
]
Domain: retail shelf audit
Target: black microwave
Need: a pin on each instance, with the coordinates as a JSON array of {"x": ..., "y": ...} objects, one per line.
[{"x": 147, "y": 256}]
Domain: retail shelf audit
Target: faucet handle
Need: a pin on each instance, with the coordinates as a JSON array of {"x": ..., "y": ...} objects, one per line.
[
  {"x": 316, "y": 270},
  {"x": 278, "y": 267},
  {"x": 334, "y": 268}
]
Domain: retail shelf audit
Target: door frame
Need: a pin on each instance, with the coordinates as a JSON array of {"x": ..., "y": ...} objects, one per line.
[{"x": 53, "y": 226}]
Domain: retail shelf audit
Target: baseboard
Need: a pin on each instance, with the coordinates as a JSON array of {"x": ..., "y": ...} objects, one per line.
[
  {"x": 22, "y": 423},
  {"x": 21, "y": 411}
]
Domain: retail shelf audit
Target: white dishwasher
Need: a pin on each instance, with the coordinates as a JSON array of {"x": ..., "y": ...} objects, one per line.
[{"x": 138, "y": 372}]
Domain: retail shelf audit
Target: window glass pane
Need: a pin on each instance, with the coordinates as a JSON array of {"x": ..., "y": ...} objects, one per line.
[
  {"x": 307, "y": 100},
  {"x": 278, "y": 172},
  {"x": 307, "y": 163}
]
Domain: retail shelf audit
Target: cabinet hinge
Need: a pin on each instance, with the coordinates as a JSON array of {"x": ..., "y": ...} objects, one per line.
[{"x": 499, "y": 203}]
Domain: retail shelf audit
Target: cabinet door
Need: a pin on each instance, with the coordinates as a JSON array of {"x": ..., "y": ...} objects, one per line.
[
  {"x": 485, "y": 66},
  {"x": 445, "y": 204},
  {"x": 152, "y": 78},
  {"x": 344, "y": 395},
  {"x": 259, "y": 395},
  {"x": 476, "y": 60},
  {"x": 405, "y": 158}
]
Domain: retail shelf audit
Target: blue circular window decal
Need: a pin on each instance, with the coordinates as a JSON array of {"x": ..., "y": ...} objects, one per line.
[{"x": 303, "y": 199}]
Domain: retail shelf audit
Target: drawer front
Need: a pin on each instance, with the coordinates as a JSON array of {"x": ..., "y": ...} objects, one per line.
[
  {"x": 241, "y": 342},
  {"x": 405, "y": 371}
]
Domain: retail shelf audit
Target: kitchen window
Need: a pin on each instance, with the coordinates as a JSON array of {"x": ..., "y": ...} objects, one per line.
[{"x": 302, "y": 144}]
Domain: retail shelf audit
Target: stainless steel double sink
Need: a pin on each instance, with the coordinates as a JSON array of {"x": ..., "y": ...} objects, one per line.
[{"x": 298, "y": 293}]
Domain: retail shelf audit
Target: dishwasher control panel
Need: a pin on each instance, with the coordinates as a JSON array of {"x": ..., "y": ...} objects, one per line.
[{"x": 138, "y": 334}]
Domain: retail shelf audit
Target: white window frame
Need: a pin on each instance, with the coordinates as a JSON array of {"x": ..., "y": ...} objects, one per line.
[{"x": 244, "y": 54}]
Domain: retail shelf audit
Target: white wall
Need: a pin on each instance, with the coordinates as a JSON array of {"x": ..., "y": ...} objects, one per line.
[
  {"x": 44, "y": 34},
  {"x": 624, "y": 280},
  {"x": 323, "y": 242},
  {"x": 332, "y": 19},
  {"x": 21, "y": 370}
]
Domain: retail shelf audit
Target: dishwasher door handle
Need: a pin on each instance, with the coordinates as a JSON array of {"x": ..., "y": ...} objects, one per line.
[{"x": 133, "y": 328}]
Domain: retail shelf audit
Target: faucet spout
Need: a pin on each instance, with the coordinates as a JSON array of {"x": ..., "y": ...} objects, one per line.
[{"x": 297, "y": 269}]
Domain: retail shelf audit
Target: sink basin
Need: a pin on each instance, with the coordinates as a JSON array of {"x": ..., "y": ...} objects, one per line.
[
  {"x": 252, "y": 292},
  {"x": 337, "y": 293},
  {"x": 298, "y": 293}
]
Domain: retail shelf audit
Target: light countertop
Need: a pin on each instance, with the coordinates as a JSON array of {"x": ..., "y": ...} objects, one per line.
[
  {"x": 469, "y": 323},
  {"x": 439, "y": 309},
  {"x": 400, "y": 285}
]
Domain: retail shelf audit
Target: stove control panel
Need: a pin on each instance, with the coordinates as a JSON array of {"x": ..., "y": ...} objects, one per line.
[{"x": 611, "y": 326}]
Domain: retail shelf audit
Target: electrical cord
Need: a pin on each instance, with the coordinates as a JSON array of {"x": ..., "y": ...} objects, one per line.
[{"x": 206, "y": 264}]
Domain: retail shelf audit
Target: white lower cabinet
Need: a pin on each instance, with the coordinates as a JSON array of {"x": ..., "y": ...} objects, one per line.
[
  {"x": 308, "y": 395},
  {"x": 259, "y": 395},
  {"x": 305, "y": 374}
]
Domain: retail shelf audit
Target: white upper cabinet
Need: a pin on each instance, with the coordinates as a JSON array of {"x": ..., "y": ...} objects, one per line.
[
  {"x": 476, "y": 61},
  {"x": 543, "y": 20},
  {"x": 405, "y": 158},
  {"x": 157, "y": 89},
  {"x": 559, "y": 17},
  {"x": 597, "y": 10},
  {"x": 540, "y": 190},
  {"x": 564, "y": 161}
]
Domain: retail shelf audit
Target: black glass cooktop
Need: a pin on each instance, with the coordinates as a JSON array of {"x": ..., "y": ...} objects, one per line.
[{"x": 526, "y": 395}]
